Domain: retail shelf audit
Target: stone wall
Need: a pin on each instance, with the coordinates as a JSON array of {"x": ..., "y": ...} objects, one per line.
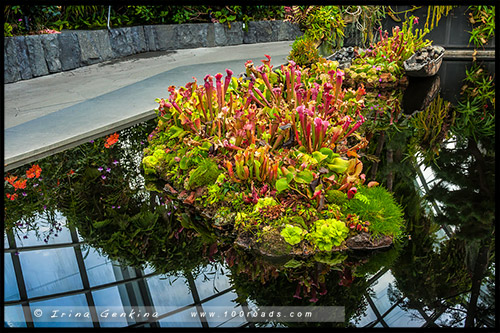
[{"x": 26, "y": 57}]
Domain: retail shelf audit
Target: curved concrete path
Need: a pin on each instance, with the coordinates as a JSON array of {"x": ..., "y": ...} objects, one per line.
[{"x": 49, "y": 114}]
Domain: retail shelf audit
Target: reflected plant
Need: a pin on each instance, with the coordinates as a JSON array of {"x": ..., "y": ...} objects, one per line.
[
  {"x": 323, "y": 279},
  {"x": 384, "y": 109},
  {"x": 476, "y": 109},
  {"x": 431, "y": 127},
  {"x": 55, "y": 183}
]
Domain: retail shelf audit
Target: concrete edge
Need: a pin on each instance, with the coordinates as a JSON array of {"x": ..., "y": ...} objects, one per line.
[{"x": 34, "y": 155}]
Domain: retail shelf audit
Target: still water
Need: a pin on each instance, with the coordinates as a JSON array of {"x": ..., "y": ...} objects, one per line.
[{"x": 94, "y": 246}]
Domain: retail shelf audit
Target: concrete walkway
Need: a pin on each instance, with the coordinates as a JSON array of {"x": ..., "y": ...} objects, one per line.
[{"x": 49, "y": 114}]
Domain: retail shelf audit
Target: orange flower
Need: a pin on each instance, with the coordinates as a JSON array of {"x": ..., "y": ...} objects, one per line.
[
  {"x": 20, "y": 184},
  {"x": 71, "y": 172},
  {"x": 34, "y": 171},
  {"x": 11, "y": 179},
  {"x": 111, "y": 140},
  {"x": 12, "y": 196}
]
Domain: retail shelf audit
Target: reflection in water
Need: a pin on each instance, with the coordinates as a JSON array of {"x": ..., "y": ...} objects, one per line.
[
  {"x": 441, "y": 274},
  {"x": 420, "y": 92}
]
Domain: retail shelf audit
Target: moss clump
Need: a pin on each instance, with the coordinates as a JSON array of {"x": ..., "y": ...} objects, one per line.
[
  {"x": 273, "y": 244},
  {"x": 381, "y": 210},
  {"x": 336, "y": 197},
  {"x": 205, "y": 174},
  {"x": 149, "y": 163}
]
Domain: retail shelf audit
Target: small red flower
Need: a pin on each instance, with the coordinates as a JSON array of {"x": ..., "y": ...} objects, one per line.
[
  {"x": 71, "y": 172},
  {"x": 12, "y": 196},
  {"x": 20, "y": 184},
  {"x": 111, "y": 140},
  {"x": 11, "y": 179},
  {"x": 34, "y": 171}
]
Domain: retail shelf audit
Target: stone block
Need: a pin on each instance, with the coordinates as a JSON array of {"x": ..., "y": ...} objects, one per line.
[
  {"x": 138, "y": 39},
  {"x": 167, "y": 37},
  {"x": 22, "y": 58},
  {"x": 121, "y": 42},
  {"x": 192, "y": 35},
  {"x": 51, "y": 48},
  {"x": 228, "y": 36},
  {"x": 69, "y": 50},
  {"x": 150, "y": 38},
  {"x": 210, "y": 35},
  {"x": 36, "y": 55},
  {"x": 10, "y": 64},
  {"x": 250, "y": 35},
  {"x": 88, "y": 51},
  {"x": 288, "y": 31},
  {"x": 261, "y": 32},
  {"x": 102, "y": 44},
  {"x": 275, "y": 29}
]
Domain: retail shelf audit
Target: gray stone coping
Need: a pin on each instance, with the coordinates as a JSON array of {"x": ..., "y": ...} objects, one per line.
[{"x": 27, "y": 57}]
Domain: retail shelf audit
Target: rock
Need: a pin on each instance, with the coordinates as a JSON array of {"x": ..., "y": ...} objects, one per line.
[
  {"x": 228, "y": 36},
  {"x": 138, "y": 39},
  {"x": 150, "y": 38},
  {"x": 69, "y": 50},
  {"x": 88, "y": 52},
  {"x": 192, "y": 35},
  {"x": 122, "y": 42},
  {"x": 260, "y": 32},
  {"x": 166, "y": 37},
  {"x": 271, "y": 245},
  {"x": 11, "y": 62},
  {"x": 102, "y": 44},
  {"x": 288, "y": 31},
  {"x": 364, "y": 241},
  {"x": 36, "y": 55},
  {"x": 22, "y": 57},
  {"x": 52, "y": 49}
]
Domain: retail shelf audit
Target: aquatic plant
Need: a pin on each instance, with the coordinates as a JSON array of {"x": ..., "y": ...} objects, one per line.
[
  {"x": 326, "y": 234},
  {"x": 319, "y": 23},
  {"x": 262, "y": 150},
  {"x": 304, "y": 51},
  {"x": 381, "y": 65},
  {"x": 379, "y": 208},
  {"x": 476, "y": 109},
  {"x": 483, "y": 20},
  {"x": 432, "y": 127}
]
